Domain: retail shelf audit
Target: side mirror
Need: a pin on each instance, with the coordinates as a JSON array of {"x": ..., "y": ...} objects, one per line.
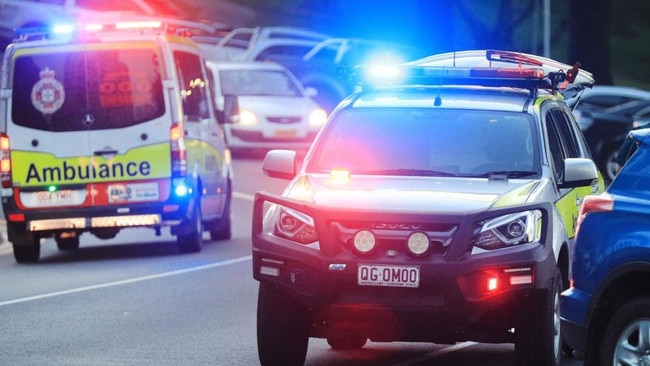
[
  {"x": 579, "y": 172},
  {"x": 230, "y": 108},
  {"x": 280, "y": 164},
  {"x": 311, "y": 92}
]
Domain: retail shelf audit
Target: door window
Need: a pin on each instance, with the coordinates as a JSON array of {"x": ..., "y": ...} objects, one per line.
[{"x": 193, "y": 86}]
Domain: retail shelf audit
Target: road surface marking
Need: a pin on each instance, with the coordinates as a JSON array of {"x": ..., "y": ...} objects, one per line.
[
  {"x": 126, "y": 282},
  {"x": 434, "y": 354}
]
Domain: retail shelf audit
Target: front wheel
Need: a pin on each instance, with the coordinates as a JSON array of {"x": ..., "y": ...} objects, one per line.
[
  {"x": 282, "y": 328},
  {"x": 626, "y": 339},
  {"x": 538, "y": 338}
]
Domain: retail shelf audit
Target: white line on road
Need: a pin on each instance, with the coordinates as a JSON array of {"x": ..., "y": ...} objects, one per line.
[
  {"x": 434, "y": 354},
  {"x": 125, "y": 282},
  {"x": 244, "y": 196}
]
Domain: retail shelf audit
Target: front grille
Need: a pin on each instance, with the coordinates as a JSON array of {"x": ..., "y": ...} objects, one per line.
[
  {"x": 284, "y": 120},
  {"x": 393, "y": 235}
]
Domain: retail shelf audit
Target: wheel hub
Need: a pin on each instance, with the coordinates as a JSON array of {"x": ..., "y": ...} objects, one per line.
[{"x": 644, "y": 360}]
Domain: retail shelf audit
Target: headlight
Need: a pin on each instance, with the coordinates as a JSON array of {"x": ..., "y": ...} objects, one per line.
[
  {"x": 247, "y": 118},
  {"x": 291, "y": 224},
  {"x": 317, "y": 118},
  {"x": 510, "y": 230}
]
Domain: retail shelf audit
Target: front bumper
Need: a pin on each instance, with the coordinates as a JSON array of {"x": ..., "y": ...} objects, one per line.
[
  {"x": 449, "y": 304},
  {"x": 89, "y": 219},
  {"x": 574, "y": 304}
]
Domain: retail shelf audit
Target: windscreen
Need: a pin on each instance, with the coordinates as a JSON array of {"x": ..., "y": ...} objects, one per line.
[
  {"x": 258, "y": 83},
  {"x": 87, "y": 90},
  {"x": 429, "y": 142}
]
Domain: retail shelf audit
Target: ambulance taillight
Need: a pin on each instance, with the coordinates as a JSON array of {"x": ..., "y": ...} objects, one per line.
[
  {"x": 178, "y": 150},
  {"x": 5, "y": 161}
]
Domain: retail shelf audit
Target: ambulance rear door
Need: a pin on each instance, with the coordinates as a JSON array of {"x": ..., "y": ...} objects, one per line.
[{"x": 88, "y": 126}]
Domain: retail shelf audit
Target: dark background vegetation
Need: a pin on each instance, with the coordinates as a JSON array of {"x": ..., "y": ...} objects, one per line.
[{"x": 610, "y": 38}]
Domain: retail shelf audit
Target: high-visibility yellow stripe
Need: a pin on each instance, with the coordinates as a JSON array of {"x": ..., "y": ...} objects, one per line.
[{"x": 38, "y": 169}]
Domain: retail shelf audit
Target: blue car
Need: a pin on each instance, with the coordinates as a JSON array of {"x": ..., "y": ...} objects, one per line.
[{"x": 605, "y": 314}]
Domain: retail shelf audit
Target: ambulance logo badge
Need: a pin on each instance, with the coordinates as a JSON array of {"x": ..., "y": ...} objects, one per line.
[{"x": 48, "y": 94}]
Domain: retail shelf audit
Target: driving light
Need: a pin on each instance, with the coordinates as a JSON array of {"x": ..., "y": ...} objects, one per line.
[
  {"x": 364, "y": 241},
  {"x": 418, "y": 243}
]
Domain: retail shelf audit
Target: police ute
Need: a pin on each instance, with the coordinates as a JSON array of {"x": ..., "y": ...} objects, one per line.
[{"x": 437, "y": 204}]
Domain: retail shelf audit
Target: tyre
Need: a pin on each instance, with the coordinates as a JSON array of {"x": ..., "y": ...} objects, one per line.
[
  {"x": 347, "y": 342},
  {"x": 27, "y": 247},
  {"x": 538, "y": 338},
  {"x": 222, "y": 229},
  {"x": 67, "y": 243},
  {"x": 626, "y": 339},
  {"x": 192, "y": 241},
  {"x": 282, "y": 328},
  {"x": 608, "y": 165}
]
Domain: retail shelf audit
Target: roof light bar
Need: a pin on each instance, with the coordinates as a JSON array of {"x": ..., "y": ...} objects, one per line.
[
  {"x": 59, "y": 30},
  {"x": 152, "y": 24},
  {"x": 520, "y": 77}
]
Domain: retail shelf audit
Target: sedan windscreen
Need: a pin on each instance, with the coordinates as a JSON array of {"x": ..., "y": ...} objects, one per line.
[{"x": 258, "y": 83}]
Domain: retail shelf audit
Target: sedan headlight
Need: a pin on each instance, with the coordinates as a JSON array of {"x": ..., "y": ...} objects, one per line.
[
  {"x": 317, "y": 118},
  {"x": 247, "y": 118},
  {"x": 510, "y": 230}
]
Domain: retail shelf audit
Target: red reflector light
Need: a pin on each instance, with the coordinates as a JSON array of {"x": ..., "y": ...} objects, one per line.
[
  {"x": 170, "y": 208},
  {"x": 491, "y": 282},
  {"x": 17, "y": 217}
]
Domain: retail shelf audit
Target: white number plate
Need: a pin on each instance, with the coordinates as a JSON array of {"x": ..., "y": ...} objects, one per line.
[
  {"x": 285, "y": 134},
  {"x": 384, "y": 275},
  {"x": 62, "y": 197}
]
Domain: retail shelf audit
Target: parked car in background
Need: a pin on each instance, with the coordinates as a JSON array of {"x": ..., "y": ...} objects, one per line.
[
  {"x": 606, "y": 311},
  {"x": 237, "y": 41},
  {"x": 606, "y": 114},
  {"x": 314, "y": 58},
  {"x": 264, "y": 106}
]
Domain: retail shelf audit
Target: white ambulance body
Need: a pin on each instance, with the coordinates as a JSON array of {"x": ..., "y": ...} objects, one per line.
[{"x": 106, "y": 130}]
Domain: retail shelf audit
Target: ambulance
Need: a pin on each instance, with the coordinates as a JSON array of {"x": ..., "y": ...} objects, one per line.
[{"x": 105, "y": 127}]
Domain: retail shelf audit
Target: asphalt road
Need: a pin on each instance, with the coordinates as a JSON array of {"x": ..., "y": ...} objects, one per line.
[{"x": 134, "y": 300}]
